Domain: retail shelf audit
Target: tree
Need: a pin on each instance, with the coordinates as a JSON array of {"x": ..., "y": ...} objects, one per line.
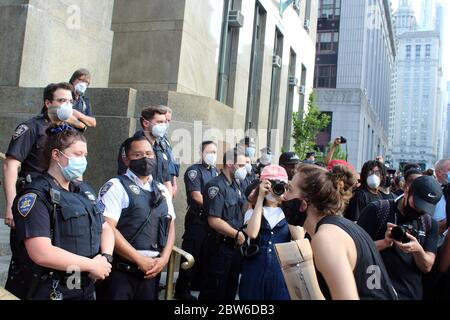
[{"x": 307, "y": 126}]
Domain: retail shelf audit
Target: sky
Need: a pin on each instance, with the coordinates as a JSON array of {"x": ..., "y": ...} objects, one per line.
[{"x": 416, "y": 7}]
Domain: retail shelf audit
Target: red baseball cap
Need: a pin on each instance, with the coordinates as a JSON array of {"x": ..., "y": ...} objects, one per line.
[
  {"x": 333, "y": 163},
  {"x": 274, "y": 172}
]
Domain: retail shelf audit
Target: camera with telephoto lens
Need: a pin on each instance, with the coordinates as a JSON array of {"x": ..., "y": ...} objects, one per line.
[
  {"x": 398, "y": 233},
  {"x": 278, "y": 187},
  {"x": 343, "y": 140}
]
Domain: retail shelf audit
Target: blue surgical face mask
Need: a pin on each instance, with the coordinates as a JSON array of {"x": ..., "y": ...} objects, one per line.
[
  {"x": 159, "y": 130},
  {"x": 75, "y": 168},
  {"x": 81, "y": 88},
  {"x": 250, "y": 152},
  {"x": 448, "y": 177}
]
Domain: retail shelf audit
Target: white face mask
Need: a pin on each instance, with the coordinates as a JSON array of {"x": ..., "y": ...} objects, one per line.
[
  {"x": 60, "y": 113},
  {"x": 240, "y": 174},
  {"x": 266, "y": 159},
  {"x": 159, "y": 130},
  {"x": 248, "y": 167},
  {"x": 373, "y": 181},
  {"x": 81, "y": 88},
  {"x": 210, "y": 159}
]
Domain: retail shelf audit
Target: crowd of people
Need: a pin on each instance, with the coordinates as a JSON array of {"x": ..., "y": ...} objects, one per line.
[{"x": 378, "y": 234}]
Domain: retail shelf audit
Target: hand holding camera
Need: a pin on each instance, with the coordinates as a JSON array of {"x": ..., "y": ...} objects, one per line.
[{"x": 404, "y": 237}]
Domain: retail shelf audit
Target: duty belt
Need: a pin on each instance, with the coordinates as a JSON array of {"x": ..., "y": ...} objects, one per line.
[{"x": 223, "y": 239}]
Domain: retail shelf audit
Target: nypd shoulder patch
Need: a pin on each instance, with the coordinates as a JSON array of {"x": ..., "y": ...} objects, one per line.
[
  {"x": 20, "y": 131},
  {"x": 212, "y": 192},
  {"x": 101, "y": 206},
  {"x": 192, "y": 174},
  {"x": 26, "y": 203},
  {"x": 135, "y": 189},
  {"x": 105, "y": 188}
]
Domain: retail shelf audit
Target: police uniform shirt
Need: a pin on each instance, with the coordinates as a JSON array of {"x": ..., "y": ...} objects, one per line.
[
  {"x": 223, "y": 199},
  {"x": 83, "y": 105},
  {"x": 195, "y": 179},
  {"x": 113, "y": 198},
  {"x": 174, "y": 166},
  {"x": 32, "y": 216},
  {"x": 27, "y": 144}
]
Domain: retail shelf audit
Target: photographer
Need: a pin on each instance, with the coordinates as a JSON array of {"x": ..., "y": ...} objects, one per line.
[
  {"x": 409, "y": 251},
  {"x": 344, "y": 254},
  {"x": 262, "y": 278}
]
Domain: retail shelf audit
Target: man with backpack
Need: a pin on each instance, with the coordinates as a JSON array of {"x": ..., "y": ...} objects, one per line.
[{"x": 405, "y": 234}]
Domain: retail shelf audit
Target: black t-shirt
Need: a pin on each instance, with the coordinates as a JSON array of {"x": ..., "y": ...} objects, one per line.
[
  {"x": 404, "y": 273},
  {"x": 371, "y": 277},
  {"x": 361, "y": 198},
  {"x": 27, "y": 145}
]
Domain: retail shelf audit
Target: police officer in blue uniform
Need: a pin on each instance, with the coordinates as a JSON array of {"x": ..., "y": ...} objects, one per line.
[
  {"x": 224, "y": 207},
  {"x": 64, "y": 243},
  {"x": 82, "y": 115},
  {"x": 195, "y": 222},
  {"x": 154, "y": 127},
  {"x": 25, "y": 150},
  {"x": 174, "y": 166},
  {"x": 140, "y": 211}
]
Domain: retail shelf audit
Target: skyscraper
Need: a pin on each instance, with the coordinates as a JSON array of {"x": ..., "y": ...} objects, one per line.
[
  {"x": 354, "y": 73},
  {"x": 418, "y": 123}
]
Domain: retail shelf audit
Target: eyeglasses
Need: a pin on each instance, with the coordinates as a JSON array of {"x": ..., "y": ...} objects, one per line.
[
  {"x": 377, "y": 172},
  {"x": 63, "y": 100}
]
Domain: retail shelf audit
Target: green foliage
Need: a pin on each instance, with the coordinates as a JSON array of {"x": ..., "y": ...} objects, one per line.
[{"x": 307, "y": 126}]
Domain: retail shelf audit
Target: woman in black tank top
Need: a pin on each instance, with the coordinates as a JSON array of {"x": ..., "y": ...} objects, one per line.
[{"x": 344, "y": 253}]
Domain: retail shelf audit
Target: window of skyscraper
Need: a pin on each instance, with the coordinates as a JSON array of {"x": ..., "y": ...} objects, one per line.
[
  {"x": 418, "y": 50},
  {"x": 329, "y": 9},
  {"x": 327, "y": 42},
  {"x": 428, "y": 51},
  {"x": 408, "y": 52}
]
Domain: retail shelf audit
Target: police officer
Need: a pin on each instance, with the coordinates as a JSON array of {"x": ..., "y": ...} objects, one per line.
[
  {"x": 289, "y": 160},
  {"x": 25, "y": 149},
  {"x": 195, "y": 223},
  {"x": 223, "y": 204},
  {"x": 140, "y": 211},
  {"x": 82, "y": 113},
  {"x": 64, "y": 242},
  {"x": 174, "y": 166},
  {"x": 154, "y": 127}
]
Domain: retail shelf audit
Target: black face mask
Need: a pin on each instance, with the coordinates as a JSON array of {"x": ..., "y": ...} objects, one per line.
[
  {"x": 291, "y": 210},
  {"x": 142, "y": 167},
  {"x": 411, "y": 213},
  {"x": 388, "y": 182}
]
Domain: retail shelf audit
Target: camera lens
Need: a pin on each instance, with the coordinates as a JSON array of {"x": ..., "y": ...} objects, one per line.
[
  {"x": 278, "y": 187},
  {"x": 399, "y": 234},
  {"x": 343, "y": 140}
]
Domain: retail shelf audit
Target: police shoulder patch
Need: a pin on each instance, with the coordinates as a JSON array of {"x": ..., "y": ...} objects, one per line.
[
  {"x": 212, "y": 192},
  {"x": 20, "y": 131},
  {"x": 105, "y": 188},
  {"x": 135, "y": 189},
  {"x": 101, "y": 206},
  {"x": 26, "y": 203},
  {"x": 192, "y": 174}
]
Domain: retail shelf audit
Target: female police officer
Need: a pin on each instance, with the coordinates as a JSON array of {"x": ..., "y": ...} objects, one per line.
[{"x": 59, "y": 227}]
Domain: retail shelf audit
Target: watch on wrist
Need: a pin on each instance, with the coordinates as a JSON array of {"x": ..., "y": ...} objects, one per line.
[{"x": 108, "y": 257}]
